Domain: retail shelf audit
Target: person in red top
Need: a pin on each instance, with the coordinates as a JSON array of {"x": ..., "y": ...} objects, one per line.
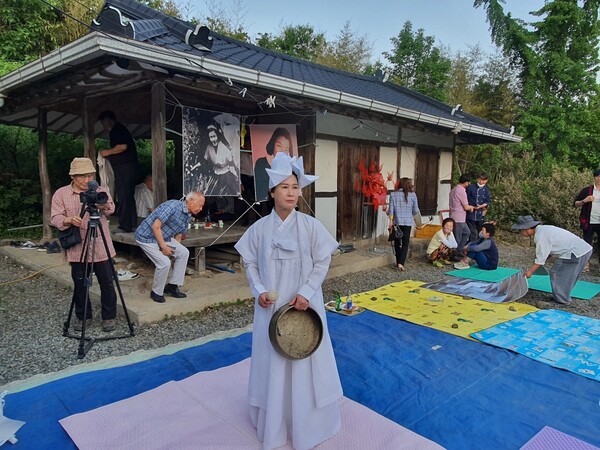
[{"x": 66, "y": 211}]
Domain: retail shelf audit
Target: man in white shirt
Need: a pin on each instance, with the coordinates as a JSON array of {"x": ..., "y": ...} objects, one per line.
[
  {"x": 572, "y": 255},
  {"x": 144, "y": 198}
]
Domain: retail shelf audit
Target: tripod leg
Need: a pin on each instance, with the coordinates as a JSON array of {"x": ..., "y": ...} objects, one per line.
[{"x": 118, "y": 285}]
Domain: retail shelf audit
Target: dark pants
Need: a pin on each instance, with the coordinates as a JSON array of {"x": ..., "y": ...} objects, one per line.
[
  {"x": 482, "y": 260},
  {"x": 108, "y": 297},
  {"x": 588, "y": 235},
  {"x": 126, "y": 177},
  {"x": 474, "y": 227},
  {"x": 401, "y": 245}
]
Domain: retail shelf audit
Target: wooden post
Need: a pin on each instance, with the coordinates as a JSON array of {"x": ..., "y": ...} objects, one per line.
[
  {"x": 87, "y": 131},
  {"x": 159, "y": 140},
  {"x": 44, "y": 176}
]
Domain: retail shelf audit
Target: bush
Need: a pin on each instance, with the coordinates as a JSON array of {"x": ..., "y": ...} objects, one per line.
[{"x": 544, "y": 189}]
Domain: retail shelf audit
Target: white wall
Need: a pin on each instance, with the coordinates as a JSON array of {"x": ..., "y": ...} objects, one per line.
[
  {"x": 387, "y": 162},
  {"x": 326, "y": 213},
  {"x": 326, "y": 167},
  {"x": 408, "y": 162}
]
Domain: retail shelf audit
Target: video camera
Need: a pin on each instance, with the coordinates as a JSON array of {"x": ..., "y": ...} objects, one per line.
[{"x": 92, "y": 196}]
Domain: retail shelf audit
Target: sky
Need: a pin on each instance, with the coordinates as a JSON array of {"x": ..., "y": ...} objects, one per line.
[{"x": 454, "y": 23}]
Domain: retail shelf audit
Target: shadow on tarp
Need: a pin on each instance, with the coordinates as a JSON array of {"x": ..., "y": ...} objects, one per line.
[{"x": 459, "y": 393}]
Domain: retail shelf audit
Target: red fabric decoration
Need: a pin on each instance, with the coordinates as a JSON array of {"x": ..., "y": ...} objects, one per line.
[{"x": 373, "y": 184}]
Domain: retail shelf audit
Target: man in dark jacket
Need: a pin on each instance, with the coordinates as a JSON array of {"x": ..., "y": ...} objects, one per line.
[{"x": 484, "y": 250}]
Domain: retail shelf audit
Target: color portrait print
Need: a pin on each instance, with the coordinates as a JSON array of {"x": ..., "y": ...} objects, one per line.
[
  {"x": 211, "y": 152},
  {"x": 267, "y": 141}
]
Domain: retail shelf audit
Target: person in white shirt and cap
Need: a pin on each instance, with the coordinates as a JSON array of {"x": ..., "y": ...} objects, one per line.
[
  {"x": 572, "y": 253},
  {"x": 289, "y": 253}
]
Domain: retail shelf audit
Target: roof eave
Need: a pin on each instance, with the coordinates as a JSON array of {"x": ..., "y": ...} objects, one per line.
[{"x": 95, "y": 45}]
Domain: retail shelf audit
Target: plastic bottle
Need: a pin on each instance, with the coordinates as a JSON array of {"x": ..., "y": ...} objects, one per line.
[
  {"x": 338, "y": 301},
  {"x": 349, "y": 302}
]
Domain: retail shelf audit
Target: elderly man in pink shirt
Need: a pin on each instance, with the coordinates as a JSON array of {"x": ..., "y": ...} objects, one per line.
[{"x": 459, "y": 206}]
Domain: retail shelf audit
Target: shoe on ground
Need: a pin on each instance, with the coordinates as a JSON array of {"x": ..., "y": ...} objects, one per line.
[
  {"x": 43, "y": 247},
  {"x": 157, "y": 298},
  {"x": 53, "y": 247},
  {"x": 461, "y": 265},
  {"x": 173, "y": 291},
  {"x": 438, "y": 263},
  {"x": 108, "y": 325},
  {"x": 78, "y": 325},
  {"x": 28, "y": 245},
  {"x": 125, "y": 275}
]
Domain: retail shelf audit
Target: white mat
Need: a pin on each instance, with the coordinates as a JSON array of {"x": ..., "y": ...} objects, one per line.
[{"x": 209, "y": 411}]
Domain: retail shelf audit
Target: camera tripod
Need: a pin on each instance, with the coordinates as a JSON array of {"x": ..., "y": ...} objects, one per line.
[{"x": 89, "y": 245}]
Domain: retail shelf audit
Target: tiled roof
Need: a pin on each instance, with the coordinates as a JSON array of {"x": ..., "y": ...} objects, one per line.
[{"x": 246, "y": 55}]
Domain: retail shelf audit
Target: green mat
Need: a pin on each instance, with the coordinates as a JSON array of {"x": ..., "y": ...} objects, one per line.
[
  {"x": 583, "y": 290},
  {"x": 493, "y": 276}
]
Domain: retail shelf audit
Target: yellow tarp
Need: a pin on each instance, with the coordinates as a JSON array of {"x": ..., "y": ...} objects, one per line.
[{"x": 453, "y": 314}]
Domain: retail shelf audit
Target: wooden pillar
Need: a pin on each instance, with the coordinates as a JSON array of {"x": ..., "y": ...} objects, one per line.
[
  {"x": 44, "y": 176},
  {"x": 87, "y": 130},
  {"x": 159, "y": 140}
]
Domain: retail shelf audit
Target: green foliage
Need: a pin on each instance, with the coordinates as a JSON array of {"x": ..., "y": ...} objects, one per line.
[
  {"x": 348, "y": 52},
  {"x": 557, "y": 62},
  {"x": 416, "y": 63},
  {"x": 300, "y": 41},
  {"x": 28, "y": 28},
  {"x": 522, "y": 184}
]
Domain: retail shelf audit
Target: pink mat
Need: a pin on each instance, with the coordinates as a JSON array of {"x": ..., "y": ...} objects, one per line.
[
  {"x": 550, "y": 439},
  {"x": 209, "y": 411}
]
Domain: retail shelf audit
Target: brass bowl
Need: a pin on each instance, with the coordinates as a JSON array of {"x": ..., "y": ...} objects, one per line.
[{"x": 295, "y": 334}]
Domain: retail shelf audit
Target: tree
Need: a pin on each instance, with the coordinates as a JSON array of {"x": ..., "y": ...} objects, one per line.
[
  {"x": 28, "y": 28},
  {"x": 347, "y": 52},
  {"x": 557, "y": 61},
  {"x": 300, "y": 41},
  {"x": 417, "y": 64}
]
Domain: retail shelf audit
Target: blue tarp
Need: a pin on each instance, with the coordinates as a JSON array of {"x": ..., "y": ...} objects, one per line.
[{"x": 459, "y": 393}]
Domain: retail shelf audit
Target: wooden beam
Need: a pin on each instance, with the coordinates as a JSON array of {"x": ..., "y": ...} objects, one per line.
[
  {"x": 44, "y": 176},
  {"x": 87, "y": 131},
  {"x": 159, "y": 140}
]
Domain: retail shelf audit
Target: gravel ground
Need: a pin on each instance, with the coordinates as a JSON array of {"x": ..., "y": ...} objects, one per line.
[{"x": 33, "y": 311}]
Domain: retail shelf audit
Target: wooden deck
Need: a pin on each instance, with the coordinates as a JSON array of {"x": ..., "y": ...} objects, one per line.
[{"x": 197, "y": 240}]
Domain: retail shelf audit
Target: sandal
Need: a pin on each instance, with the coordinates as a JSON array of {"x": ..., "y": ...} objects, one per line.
[{"x": 400, "y": 267}]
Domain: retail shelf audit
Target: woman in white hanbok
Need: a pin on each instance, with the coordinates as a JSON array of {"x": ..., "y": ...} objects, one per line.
[{"x": 289, "y": 252}]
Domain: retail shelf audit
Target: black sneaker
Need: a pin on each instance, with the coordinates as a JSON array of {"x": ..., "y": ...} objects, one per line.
[
  {"x": 53, "y": 247},
  {"x": 157, "y": 298},
  {"x": 173, "y": 291}
]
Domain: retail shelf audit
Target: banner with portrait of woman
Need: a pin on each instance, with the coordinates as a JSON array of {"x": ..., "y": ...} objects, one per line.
[
  {"x": 267, "y": 141},
  {"x": 211, "y": 152}
]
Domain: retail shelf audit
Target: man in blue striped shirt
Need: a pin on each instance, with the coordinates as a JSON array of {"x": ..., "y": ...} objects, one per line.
[{"x": 159, "y": 236}]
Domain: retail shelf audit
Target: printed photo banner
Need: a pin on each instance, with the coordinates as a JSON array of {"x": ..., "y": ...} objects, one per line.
[
  {"x": 267, "y": 141},
  {"x": 211, "y": 152}
]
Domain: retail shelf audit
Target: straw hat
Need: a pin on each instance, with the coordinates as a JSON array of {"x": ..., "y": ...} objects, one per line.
[
  {"x": 282, "y": 167},
  {"x": 82, "y": 166}
]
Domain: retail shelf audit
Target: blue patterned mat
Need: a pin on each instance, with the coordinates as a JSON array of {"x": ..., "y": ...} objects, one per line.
[{"x": 557, "y": 338}]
